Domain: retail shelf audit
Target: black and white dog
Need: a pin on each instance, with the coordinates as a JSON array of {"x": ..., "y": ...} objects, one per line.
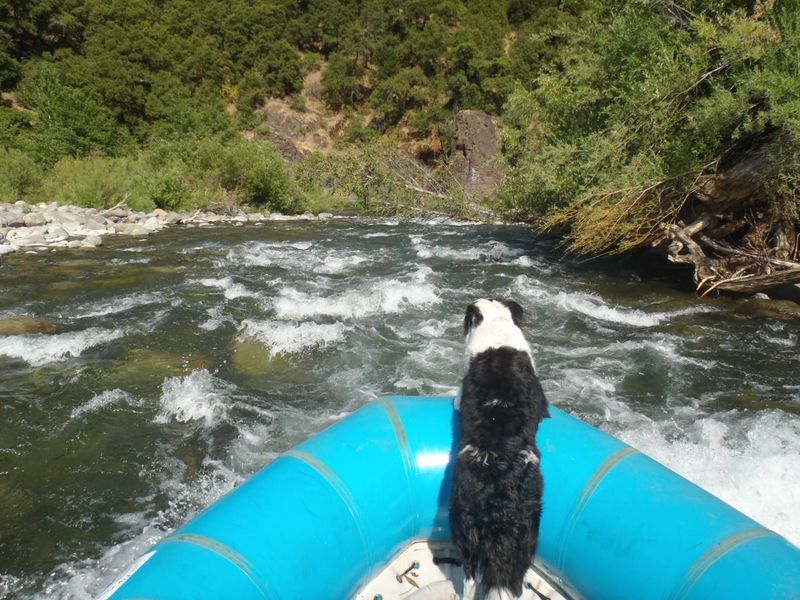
[{"x": 496, "y": 501}]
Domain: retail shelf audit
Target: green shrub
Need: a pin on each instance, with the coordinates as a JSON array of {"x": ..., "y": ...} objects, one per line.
[
  {"x": 20, "y": 176},
  {"x": 641, "y": 100},
  {"x": 243, "y": 171},
  {"x": 99, "y": 182},
  {"x": 168, "y": 188}
]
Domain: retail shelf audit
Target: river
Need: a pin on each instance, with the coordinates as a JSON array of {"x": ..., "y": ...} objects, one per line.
[{"x": 185, "y": 361}]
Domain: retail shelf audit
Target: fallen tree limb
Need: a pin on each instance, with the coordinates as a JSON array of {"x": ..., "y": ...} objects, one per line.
[
  {"x": 757, "y": 283},
  {"x": 721, "y": 266}
]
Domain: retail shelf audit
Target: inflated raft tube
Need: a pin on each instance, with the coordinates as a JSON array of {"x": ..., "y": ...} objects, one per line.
[{"x": 324, "y": 517}]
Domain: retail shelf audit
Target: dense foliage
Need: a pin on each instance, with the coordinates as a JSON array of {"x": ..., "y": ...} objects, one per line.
[
  {"x": 612, "y": 109},
  {"x": 641, "y": 100},
  {"x": 105, "y": 81}
]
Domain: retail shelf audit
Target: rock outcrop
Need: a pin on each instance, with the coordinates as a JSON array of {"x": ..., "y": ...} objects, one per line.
[{"x": 477, "y": 142}]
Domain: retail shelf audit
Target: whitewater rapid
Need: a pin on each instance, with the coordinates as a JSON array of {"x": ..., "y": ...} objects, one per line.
[{"x": 183, "y": 364}]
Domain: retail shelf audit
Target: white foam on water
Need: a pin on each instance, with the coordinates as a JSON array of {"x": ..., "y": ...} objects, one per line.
[
  {"x": 118, "y": 305},
  {"x": 665, "y": 345},
  {"x": 333, "y": 265},
  {"x": 425, "y": 386},
  {"x": 495, "y": 251},
  {"x": 86, "y": 579},
  {"x": 10, "y": 585},
  {"x": 385, "y": 296},
  {"x": 197, "y": 396},
  {"x": 430, "y": 328},
  {"x": 39, "y": 349},
  {"x": 100, "y": 401},
  {"x": 216, "y": 318},
  {"x": 231, "y": 290},
  {"x": 129, "y": 261},
  {"x": 292, "y": 338},
  {"x": 295, "y": 255},
  {"x": 751, "y": 461},
  {"x": 593, "y": 306}
]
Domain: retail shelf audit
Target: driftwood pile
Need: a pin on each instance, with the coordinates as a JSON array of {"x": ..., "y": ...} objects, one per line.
[{"x": 737, "y": 241}]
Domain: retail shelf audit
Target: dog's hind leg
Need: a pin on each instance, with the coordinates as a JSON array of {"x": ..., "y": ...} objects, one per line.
[{"x": 470, "y": 589}]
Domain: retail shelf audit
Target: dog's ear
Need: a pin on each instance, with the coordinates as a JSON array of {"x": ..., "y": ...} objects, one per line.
[
  {"x": 472, "y": 318},
  {"x": 515, "y": 309}
]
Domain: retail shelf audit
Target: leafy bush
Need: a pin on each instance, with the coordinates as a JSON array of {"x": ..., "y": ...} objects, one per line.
[
  {"x": 247, "y": 171},
  {"x": 642, "y": 100},
  {"x": 168, "y": 188},
  {"x": 20, "y": 176},
  {"x": 97, "y": 181}
]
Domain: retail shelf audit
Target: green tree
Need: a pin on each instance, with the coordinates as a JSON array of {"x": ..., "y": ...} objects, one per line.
[{"x": 68, "y": 121}]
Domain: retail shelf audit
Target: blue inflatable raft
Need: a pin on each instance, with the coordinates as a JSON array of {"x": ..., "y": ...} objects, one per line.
[{"x": 324, "y": 519}]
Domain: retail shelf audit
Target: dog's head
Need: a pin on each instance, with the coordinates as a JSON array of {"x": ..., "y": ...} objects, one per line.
[
  {"x": 492, "y": 324},
  {"x": 494, "y": 309}
]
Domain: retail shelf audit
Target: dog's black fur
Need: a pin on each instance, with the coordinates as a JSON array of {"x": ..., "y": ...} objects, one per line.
[{"x": 496, "y": 501}]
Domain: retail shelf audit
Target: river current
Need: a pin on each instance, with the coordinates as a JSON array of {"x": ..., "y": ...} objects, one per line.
[{"x": 184, "y": 362}]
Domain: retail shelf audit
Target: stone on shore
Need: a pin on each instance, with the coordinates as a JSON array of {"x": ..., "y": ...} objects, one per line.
[
  {"x": 130, "y": 229},
  {"x": 50, "y": 225},
  {"x": 32, "y": 219}
]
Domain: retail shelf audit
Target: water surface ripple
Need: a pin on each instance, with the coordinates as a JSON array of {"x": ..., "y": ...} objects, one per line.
[{"x": 184, "y": 362}]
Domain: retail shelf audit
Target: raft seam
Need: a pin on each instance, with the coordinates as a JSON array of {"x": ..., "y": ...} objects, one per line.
[
  {"x": 341, "y": 490},
  {"x": 224, "y": 551},
  {"x": 608, "y": 465},
  {"x": 405, "y": 452},
  {"x": 711, "y": 556}
]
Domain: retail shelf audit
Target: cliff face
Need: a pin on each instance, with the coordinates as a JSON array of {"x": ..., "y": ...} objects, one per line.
[{"x": 477, "y": 142}]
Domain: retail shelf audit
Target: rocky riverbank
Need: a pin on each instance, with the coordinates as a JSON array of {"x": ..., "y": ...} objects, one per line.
[{"x": 49, "y": 226}]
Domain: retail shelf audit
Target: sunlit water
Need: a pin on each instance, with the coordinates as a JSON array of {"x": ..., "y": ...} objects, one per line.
[{"x": 184, "y": 362}]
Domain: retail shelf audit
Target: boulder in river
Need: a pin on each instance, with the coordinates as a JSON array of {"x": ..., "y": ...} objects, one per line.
[
  {"x": 785, "y": 310},
  {"x": 24, "y": 324}
]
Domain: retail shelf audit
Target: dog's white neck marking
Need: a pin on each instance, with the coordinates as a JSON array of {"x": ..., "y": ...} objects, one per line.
[{"x": 497, "y": 329}]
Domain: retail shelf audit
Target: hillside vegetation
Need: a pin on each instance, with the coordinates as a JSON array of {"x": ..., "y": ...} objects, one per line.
[
  {"x": 146, "y": 98},
  {"x": 626, "y": 123},
  {"x": 660, "y": 122}
]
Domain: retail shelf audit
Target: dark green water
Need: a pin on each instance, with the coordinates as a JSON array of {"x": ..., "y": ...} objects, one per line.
[{"x": 184, "y": 362}]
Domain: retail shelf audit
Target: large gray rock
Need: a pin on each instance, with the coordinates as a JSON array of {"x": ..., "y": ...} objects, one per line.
[
  {"x": 30, "y": 239},
  {"x": 117, "y": 213},
  {"x": 476, "y": 143},
  {"x": 12, "y": 218},
  {"x": 32, "y": 219},
  {"x": 97, "y": 224},
  {"x": 130, "y": 229},
  {"x": 55, "y": 233},
  {"x": 151, "y": 223},
  {"x": 73, "y": 228}
]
